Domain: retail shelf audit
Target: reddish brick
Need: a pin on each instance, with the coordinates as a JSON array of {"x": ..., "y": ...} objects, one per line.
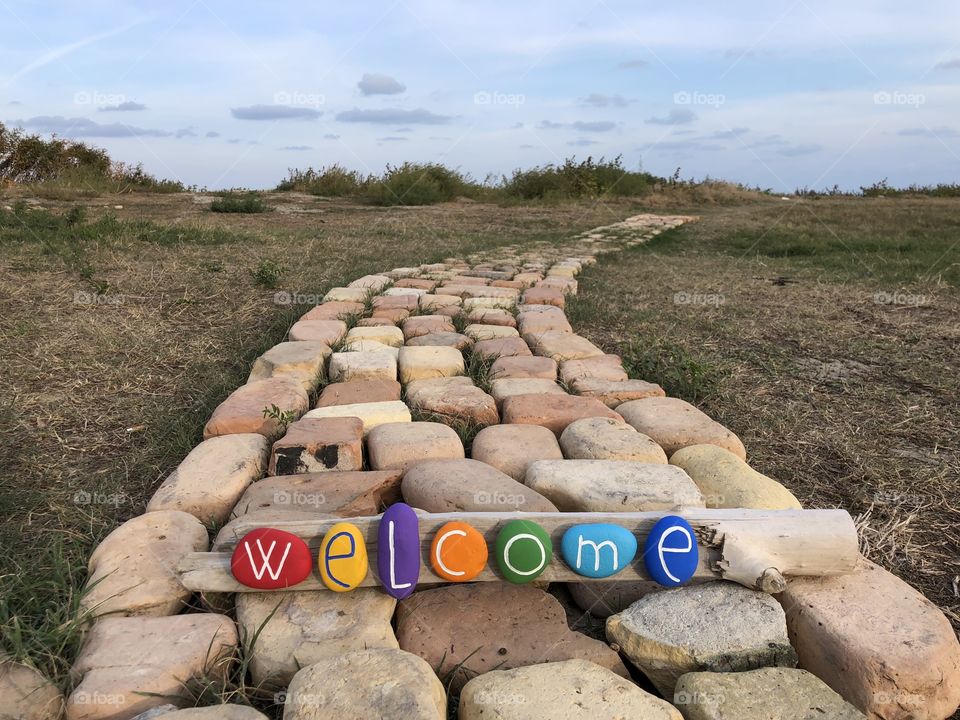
[
  {"x": 524, "y": 367},
  {"x": 553, "y": 411},
  {"x": 501, "y": 347},
  {"x": 359, "y": 391},
  {"x": 334, "y": 310},
  {"x": 319, "y": 445}
]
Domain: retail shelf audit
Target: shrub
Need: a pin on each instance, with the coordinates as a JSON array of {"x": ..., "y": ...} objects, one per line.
[
  {"x": 419, "y": 184},
  {"x": 572, "y": 179},
  {"x": 333, "y": 181},
  {"x": 267, "y": 274},
  {"x": 232, "y": 202}
]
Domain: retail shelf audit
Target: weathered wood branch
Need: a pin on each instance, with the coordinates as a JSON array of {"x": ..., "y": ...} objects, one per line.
[{"x": 760, "y": 549}]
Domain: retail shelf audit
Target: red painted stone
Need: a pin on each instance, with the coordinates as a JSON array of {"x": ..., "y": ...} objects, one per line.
[{"x": 269, "y": 559}]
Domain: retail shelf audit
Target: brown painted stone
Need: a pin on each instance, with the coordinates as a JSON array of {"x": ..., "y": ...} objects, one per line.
[
  {"x": 673, "y": 423},
  {"x": 300, "y": 361},
  {"x": 524, "y": 367},
  {"x": 454, "y": 399},
  {"x": 418, "y": 325},
  {"x": 561, "y": 346},
  {"x": 544, "y": 296},
  {"x": 553, "y": 411},
  {"x": 213, "y": 476},
  {"x": 466, "y": 630},
  {"x": 468, "y": 486},
  {"x": 328, "y": 332},
  {"x": 601, "y": 367},
  {"x": 491, "y": 316},
  {"x": 613, "y": 394},
  {"x": 401, "y": 445},
  {"x": 349, "y": 494},
  {"x": 242, "y": 411},
  {"x": 25, "y": 694},
  {"x": 511, "y": 448},
  {"x": 333, "y": 311},
  {"x": 443, "y": 339},
  {"x": 501, "y": 347},
  {"x": 131, "y": 664},
  {"x": 359, "y": 391},
  {"x": 133, "y": 571},
  {"x": 319, "y": 445},
  {"x": 877, "y": 642}
]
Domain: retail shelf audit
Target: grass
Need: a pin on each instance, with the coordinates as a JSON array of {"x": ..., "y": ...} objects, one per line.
[
  {"x": 233, "y": 202},
  {"x": 108, "y": 394},
  {"x": 822, "y": 332}
]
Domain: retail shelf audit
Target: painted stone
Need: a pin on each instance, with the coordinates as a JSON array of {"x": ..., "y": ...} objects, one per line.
[
  {"x": 598, "y": 550},
  {"x": 670, "y": 551},
  {"x": 458, "y": 552},
  {"x": 523, "y": 550},
  {"x": 343, "y": 557},
  {"x": 398, "y": 550},
  {"x": 269, "y": 559}
]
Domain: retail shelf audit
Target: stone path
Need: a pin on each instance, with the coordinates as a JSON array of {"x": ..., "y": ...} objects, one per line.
[{"x": 371, "y": 401}]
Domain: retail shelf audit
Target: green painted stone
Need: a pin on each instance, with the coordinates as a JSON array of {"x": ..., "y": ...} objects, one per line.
[{"x": 523, "y": 551}]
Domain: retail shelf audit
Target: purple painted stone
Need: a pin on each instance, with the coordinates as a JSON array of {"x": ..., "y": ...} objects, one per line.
[{"x": 398, "y": 550}]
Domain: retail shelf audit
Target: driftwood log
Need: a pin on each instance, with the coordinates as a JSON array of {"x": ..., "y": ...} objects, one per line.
[{"x": 759, "y": 549}]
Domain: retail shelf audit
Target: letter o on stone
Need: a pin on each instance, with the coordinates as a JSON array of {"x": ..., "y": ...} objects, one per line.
[{"x": 523, "y": 551}]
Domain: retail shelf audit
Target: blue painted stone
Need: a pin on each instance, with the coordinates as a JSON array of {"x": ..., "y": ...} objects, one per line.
[
  {"x": 398, "y": 550},
  {"x": 670, "y": 551},
  {"x": 598, "y": 550}
]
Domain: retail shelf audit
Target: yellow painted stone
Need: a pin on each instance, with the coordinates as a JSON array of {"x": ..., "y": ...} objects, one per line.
[{"x": 343, "y": 558}]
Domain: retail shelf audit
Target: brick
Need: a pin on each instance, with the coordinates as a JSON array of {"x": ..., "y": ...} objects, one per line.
[
  {"x": 544, "y": 296},
  {"x": 511, "y": 448},
  {"x": 508, "y": 387},
  {"x": 501, "y": 347},
  {"x": 347, "y": 494},
  {"x": 371, "y": 282},
  {"x": 524, "y": 367},
  {"x": 443, "y": 339},
  {"x": 359, "y": 391},
  {"x": 334, "y": 311},
  {"x": 319, "y": 445},
  {"x": 385, "y": 334},
  {"x": 242, "y": 411},
  {"x": 401, "y": 445},
  {"x": 301, "y": 361},
  {"x": 418, "y": 325},
  {"x": 416, "y": 283},
  {"x": 490, "y": 332},
  {"x": 454, "y": 399},
  {"x": 612, "y": 394},
  {"x": 346, "y": 294},
  {"x": 673, "y": 423},
  {"x": 492, "y": 316},
  {"x": 347, "y": 366},
  {"x": 419, "y": 362},
  {"x": 600, "y": 367},
  {"x": 553, "y": 411},
  {"x": 329, "y": 332},
  {"x": 562, "y": 346},
  {"x": 372, "y": 414}
]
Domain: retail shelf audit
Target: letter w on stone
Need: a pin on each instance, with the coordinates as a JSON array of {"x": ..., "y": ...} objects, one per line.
[{"x": 265, "y": 557}]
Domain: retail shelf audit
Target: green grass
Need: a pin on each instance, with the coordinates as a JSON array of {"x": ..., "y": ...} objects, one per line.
[{"x": 232, "y": 202}]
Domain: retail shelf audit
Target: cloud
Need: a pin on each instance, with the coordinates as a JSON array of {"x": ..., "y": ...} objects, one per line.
[
  {"x": 937, "y": 132},
  {"x": 582, "y": 142},
  {"x": 527, "y": 146},
  {"x": 128, "y": 106},
  {"x": 730, "y": 134},
  {"x": 404, "y": 130},
  {"x": 234, "y": 141},
  {"x": 296, "y": 148},
  {"x": 516, "y": 126},
  {"x": 331, "y": 136},
  {"x": 185, "y": 132},
  {"x": 598, "y": 100},
  {"x": 393, "y": 116},
  {"x": 632, "y": 64},
  {"x": 598, "y": 126},
  {"x": 768, "y": 141},
  {"x": 84, "y": 127},
  {"x": 213, "y": 134},
  {"x": 798, "y": 150},
  {"x": 274, "y": 112},
  {"x": 392, "y": 138},
  {"x": 378, "y": 84},
  {"x": 549, "y": 125},
  {"x": 674, "y": 117},
  {"x": 953, "y": 64},
  {"x": 675, "y": 146},
  {"x": 14, "y": 102}
]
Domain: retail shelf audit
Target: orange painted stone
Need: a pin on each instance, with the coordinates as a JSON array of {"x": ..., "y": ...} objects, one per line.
[
  {"x": 458, "y": 552},
  {"x": 343, "y": 558}
]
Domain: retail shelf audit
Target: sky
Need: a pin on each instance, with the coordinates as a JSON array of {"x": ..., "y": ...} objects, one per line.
[{"x": 780, "y": 95}]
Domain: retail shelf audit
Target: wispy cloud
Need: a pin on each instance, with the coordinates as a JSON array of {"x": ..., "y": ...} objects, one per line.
[
  {"x": 601, "y": 101},
  {"x": 378, "y": 84},
  {"x": 549, "y": 125},
  {"x": 953, "y": 64},
  {"x": 274, "y": 112},
  {"x": 799, "y": 150},
  {"x": 297, "y": 148},
  {"x": 597, "y": 126},
  {"x": 937, "y": 132},
  {"x": 128, "y": 106},
  {"x": 393, "y": 116},
  {"x": 674, "y": 117},
  {"x": 632, "y": 64},
  {"x": 84, "y": 127}
]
